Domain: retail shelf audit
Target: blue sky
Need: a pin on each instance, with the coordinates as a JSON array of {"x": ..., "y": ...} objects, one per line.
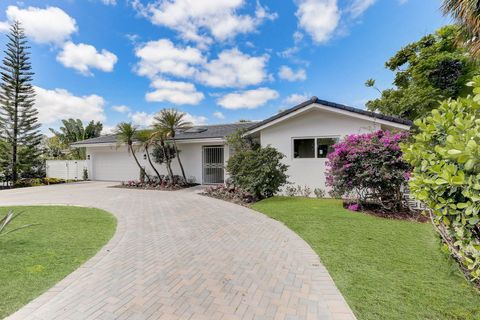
[{"x": 217, "y": 60}]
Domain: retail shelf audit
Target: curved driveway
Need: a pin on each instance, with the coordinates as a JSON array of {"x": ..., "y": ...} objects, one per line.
[{"x": 180, "y": 255}]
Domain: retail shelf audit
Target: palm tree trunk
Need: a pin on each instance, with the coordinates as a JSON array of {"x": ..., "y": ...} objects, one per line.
[
  {"x": 138, "y": 163},
  {"x": 167, "y": 160},
  {"x": 153, "y": 167},
  {"x": 179, "y": 161}
]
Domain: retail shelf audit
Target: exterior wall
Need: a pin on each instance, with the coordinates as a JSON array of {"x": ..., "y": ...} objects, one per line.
[
  {"x": 115, "y": 164},
  {"x": 313, "y": 123}
]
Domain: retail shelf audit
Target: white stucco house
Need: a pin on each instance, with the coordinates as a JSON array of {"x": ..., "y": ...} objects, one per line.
[{"x": 304, "y": 134}]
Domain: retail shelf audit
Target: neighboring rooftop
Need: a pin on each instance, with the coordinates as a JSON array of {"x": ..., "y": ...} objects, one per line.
[{"x": 196, "y": 132}]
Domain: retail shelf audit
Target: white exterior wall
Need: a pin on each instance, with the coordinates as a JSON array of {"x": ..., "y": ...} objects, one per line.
[
  {"x": 110, "y": 163},
  {"x": 314, "y": 123}
]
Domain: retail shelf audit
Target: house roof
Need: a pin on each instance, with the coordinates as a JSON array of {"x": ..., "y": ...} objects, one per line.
[
  {"x": 333, "y": 105},
  {"x": 197, "y": 132}
]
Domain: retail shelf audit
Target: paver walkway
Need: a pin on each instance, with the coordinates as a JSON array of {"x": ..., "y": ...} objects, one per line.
[{"x": 180, "y": 255}]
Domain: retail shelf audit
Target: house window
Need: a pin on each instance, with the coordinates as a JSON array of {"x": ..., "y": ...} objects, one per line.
[
  {"x": 304, "y": 148},
  {"x": 325, "y": 146},
  {"x": 313, "y": 147}
]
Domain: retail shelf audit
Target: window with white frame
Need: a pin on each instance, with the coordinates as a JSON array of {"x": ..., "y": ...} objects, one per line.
[{"x": 317, "y": 147}]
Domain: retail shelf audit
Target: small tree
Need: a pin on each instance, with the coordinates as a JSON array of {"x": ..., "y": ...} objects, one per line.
[
  {"x": 146, "y": 140},
  {"x": 164, "y": 153},
  {"x": 369, "y": 167},
  {"x": 445, "y": 155},
  {"x": 126, "y": 134},
  {"x": 237, "y": 141},
  {"x": 169, "y": 121},
  {"x": 260, "y": 172}
]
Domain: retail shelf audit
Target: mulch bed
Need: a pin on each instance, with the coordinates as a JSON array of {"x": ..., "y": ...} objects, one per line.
[
  {"x": 158, "y": 188},
  {"x": 375, "y": 210}
]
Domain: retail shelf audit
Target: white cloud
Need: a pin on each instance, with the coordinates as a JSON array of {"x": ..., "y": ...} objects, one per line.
[
  {"x": 57, "y": 104},
  {"x": 319, "y": 18},
  {"x": 49, "y": 25},
  {"x": 358, "y": 7},
  {"x": 109, "y": 2},
  {"x": 196, "y": 120},
  {"x": 233, "y": 68},
  {"x": 147, "y": 119},
  {"x": 142, "y": 118},
  {"x": 198, "y": 21},
  {"x": 287, "y": 73},
  {"x": 219, "y": 115},
  {"x": 108, "y": 129},
  {"x": 249, "y": 99},
  {"x": 295, "y": 99},
  {"x": 121, "y": 108},
  {"x": 4, "y": 27},
  {"x": 162, "y": 56},
  {"x": 176, "y": 92},
  {"x": 82, "y": 57}
]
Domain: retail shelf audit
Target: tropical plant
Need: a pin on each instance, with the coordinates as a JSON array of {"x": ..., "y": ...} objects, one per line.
[
  {"x": 466, "y": 13},
  {"x": 260, "y": 172},
  {"x": 171, "y": 121},
  {"x": 19, "y": 127},
  {"x": 164, "y": 153},
  {"x": 126, "y": 134},
  {"x": 445, "y": 155},
  {"x": 370, "y": 168},
  {"x": 319, "y": 192},
  {"x": 146, "y": 139},
  {"x": 238, "y": 141},
  {"x": 73, "y": 131},
  {"x": 7, "y": 219},
  {"x": 291, "y": 191},
  {"x": 426, "y": 71}
]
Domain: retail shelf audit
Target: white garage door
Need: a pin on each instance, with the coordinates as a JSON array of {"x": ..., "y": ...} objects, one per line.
[{"x": 114, "y": 166}]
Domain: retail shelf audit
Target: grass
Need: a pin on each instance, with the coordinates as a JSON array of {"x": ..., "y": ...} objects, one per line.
[
  {"x": 386, "y": 269},
  {"x": 34, "y": 259}
]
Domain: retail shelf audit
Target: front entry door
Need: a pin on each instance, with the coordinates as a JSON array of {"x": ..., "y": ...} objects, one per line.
[{"x": 213, "y": 165}]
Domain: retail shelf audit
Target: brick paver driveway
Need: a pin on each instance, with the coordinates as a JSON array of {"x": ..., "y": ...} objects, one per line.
[{"x": 180, "y": 255}]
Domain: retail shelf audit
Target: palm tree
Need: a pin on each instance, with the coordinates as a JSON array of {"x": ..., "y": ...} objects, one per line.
[
  {"x": 126, "y": 134},
  {"x": 467, "y": 15},
  {"x": 146, "y": 140},
  {"x": 159, "y": 136},
  {"x": 172, "y": 121},
  {"x": 73, "y": 131}
]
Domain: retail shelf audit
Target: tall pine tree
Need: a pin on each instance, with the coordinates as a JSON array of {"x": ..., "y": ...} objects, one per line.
[{"x": 19, "y": 127}]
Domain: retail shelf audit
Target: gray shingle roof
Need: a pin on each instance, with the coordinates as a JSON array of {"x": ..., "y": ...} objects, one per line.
[
  {"x": 212, "y": 131},
  {"x": 333, "y": 105},
  {"x": 223, "y": 130}
]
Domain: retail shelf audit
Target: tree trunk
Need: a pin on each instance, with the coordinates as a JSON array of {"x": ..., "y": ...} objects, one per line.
[
  {"x": 179, "y": 161},
  {"x": 167, "y": 160},
  {"x": 153, "y": 167},
  {"x": 138, "y": 163}
]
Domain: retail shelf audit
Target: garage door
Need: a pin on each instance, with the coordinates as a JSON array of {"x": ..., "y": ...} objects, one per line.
[{"x": 114, "y": 166}]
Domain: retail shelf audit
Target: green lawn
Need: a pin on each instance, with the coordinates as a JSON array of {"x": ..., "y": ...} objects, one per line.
[
  {"x": 386, "y": 269},
  {"x": 34, "y": 259}
]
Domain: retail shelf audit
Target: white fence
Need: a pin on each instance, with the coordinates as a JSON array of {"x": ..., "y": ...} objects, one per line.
[{"x": 66, "y": 169}]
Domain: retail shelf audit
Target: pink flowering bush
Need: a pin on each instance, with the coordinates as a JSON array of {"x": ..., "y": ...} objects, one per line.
[{"x": 369, "y": 167}]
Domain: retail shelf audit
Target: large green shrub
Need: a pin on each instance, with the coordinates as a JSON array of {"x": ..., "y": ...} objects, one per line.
[
  {"x": 260, "y": 171},
  {"x": 445, "y": 154}
]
